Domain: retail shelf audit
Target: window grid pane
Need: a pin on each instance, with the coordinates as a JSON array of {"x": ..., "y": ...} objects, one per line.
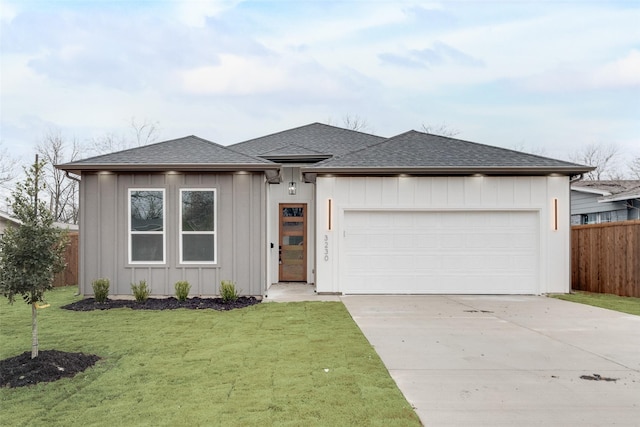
[
  {"x": 146, "y": 211},
  {"x": 197, "y": 211},
  {"x": 197, "y": 226},
  {"x": 146, "y": 226}
]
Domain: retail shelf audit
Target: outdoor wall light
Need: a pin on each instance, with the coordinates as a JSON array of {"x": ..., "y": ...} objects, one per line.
[
  {"x": 329, "y": 214},
  {"x": 555, "y": 214},
  {"x": 292, "y": 185}
]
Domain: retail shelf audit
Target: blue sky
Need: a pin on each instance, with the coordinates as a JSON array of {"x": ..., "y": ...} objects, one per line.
[{"x": 546, "y": 76}]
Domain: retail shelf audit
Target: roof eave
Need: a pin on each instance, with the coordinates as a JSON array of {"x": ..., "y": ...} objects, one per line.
[
  {"x": 619, "y": 198},
  {"x": 540, "y": 171},
  {"x": 178, "y": 167},
  {"x": 590, "y": 190}
]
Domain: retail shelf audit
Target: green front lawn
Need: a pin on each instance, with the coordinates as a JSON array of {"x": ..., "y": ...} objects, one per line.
[
  {"x": 612, "y": 302},
  {"x": 295, "y": 364}
]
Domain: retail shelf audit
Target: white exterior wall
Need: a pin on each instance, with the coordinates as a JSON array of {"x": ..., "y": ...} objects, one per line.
[
  {"x": 279, "y": 193},
  {"x": 446, "y": 194}
]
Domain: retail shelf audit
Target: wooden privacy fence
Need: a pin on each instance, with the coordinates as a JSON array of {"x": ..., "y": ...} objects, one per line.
[
  {"x": 605, "y": 258},
  {"x": 69, "y": 276}
]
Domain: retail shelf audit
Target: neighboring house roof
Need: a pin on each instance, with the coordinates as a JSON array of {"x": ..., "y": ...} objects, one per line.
[
  {"x": 610, "y": 190},
  {"x": 188, "y": 153},
  {"x": 66, "y": 225},
  {"x": 418, "y": 152},
  {"x": 315, "y": 138},
  {"x": 5, "y": 216}
]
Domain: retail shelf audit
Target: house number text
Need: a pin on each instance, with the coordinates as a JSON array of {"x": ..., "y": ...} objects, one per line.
[{"x": 326, "y": 248}]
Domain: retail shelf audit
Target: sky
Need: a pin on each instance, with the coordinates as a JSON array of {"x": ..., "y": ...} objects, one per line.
[{"x": 543, "y": 76}]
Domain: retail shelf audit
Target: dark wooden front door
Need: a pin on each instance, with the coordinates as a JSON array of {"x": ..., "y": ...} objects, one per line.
[{"x": 293, "y": 242}]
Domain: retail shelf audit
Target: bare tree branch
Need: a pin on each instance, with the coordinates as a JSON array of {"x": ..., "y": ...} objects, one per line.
[
  {"x": 442, "y": 129},
  {"x": 7, "y": 166},
  {"x": 145, "y": 132},
  {"x": 603, "y": 157},
  {"x": 107, "y": 144},
  {"x": 352, "y": 122},
  {"x": 141, "y": 134},
  {"x": 62, "y": 191},
  {"x": 634, "y": 167}
]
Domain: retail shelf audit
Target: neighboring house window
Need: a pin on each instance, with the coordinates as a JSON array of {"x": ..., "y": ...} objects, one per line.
[
  {"x": 596, "y": 218},
  {"x": 198, "y": 226},
  {"x": 589, "y": 218},
  {"x": 146, "y": 226}
]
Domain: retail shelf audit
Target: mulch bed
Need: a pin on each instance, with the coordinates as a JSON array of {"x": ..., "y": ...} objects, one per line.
[
  {"x": 51, "y": 365},
  {"x": 172, "y": 303}
]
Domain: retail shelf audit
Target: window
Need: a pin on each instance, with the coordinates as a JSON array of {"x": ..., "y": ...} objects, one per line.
[
  {"x": 146, "y": 226},
  {"x": 197, "y": 226}
]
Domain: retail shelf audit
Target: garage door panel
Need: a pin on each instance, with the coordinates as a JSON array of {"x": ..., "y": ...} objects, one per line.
[{"x": 443, "y": 252}]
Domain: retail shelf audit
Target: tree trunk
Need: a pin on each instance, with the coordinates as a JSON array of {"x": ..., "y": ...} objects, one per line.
[{"x": 34, "y": 331}]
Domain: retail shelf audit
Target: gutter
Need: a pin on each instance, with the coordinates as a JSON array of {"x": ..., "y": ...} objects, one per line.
[
  {"x": 310, "y": 172},
  {"x": 180, "y": 167},
  {"x": 576, "y": 178},
  {"x": 66, "y": 173}
]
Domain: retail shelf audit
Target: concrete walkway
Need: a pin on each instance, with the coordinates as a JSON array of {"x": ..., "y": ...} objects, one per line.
[
  {"x": 506, "y": 360},
  {"x": 294, "y": 291}
]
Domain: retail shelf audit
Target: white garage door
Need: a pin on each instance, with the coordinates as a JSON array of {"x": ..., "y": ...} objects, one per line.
[{"x": 418, "y": 252}]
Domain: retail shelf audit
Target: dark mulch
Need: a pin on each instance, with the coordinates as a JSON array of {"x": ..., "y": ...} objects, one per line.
[
  {"x": 172, "y": 303},
  {"x": 50, "y": 365}
]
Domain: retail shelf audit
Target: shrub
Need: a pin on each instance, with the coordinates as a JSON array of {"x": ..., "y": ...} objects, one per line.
[
  {"x": 100, "y": 289},
  {"x": 228, "y": 291},
  {"x": 182, "y": 290},
  {"x": 140, "y": 291}
]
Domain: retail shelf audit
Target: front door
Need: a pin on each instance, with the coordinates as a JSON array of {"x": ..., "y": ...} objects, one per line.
[{"x": 293, "y": 242}]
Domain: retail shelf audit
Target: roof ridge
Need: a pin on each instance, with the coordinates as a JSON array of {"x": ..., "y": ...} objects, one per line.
[{"x": 301, "y": 127}]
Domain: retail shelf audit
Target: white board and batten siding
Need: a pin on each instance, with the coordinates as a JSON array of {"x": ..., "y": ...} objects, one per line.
[{"x": 443, "y": 235}]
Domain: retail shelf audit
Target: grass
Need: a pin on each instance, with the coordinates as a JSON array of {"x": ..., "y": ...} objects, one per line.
[
  {"x": 263, "y": 365},
  {"x": 628, "y": 305}
]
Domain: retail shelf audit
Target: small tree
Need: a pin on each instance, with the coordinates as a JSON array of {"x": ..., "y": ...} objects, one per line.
[{"x": 33, "y": 252}]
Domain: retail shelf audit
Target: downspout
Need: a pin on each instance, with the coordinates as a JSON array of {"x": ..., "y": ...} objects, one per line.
[{"x": 66, "y": 173}]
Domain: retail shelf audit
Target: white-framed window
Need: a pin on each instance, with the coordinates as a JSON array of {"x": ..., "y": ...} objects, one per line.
[
  {"x": 147, "y": 226},
  {"x": 198, "y": 239}
]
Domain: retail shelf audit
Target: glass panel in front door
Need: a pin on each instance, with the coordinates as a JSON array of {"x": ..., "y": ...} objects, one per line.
[{"x": 293, "y": 250}]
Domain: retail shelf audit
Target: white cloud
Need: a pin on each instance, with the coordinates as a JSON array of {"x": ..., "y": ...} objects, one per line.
[
  {"x": 194, "y": 13},
  {"x": 272, "y": 75},
  {"x": 624, "y": 72},
  {"x": 550, "y": 70},
  {"x": 615, "y": 74}
]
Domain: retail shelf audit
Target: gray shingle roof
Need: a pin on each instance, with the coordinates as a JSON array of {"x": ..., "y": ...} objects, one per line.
[
  {"x": 418, "y": 151},
  {"x": 610, "y": 190},
  {"x": 318, "y": 137},
  {"x": 188, "y": 151}
]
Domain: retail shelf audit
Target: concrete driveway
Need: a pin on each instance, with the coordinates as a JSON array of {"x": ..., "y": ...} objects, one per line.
[{"x": 506, "y": 360}]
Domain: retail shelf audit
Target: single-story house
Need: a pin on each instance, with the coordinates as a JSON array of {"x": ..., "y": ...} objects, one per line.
[
  {"x": 351, "y": 212},
  {"x": 595, "y": 202}
]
